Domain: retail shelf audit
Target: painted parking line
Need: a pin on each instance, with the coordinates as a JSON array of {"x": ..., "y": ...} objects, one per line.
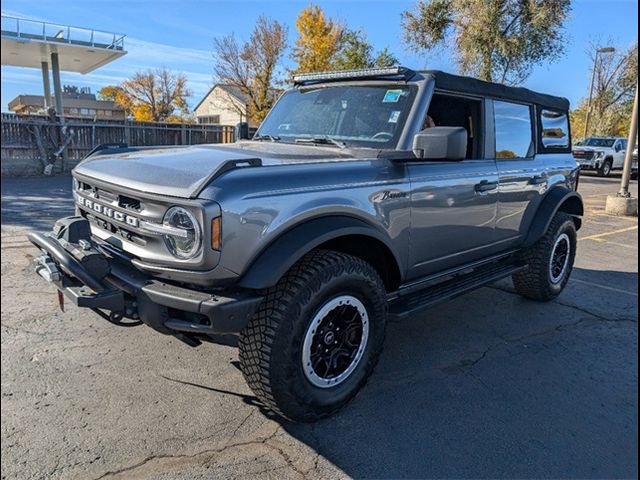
[
  {"x": 606, "y": 234},
  {"x": 606, "y": 287},
  {"x": 617, "y": 244}
]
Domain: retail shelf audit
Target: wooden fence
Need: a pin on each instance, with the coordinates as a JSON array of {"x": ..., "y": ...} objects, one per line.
[{"x": 26, "y": 141}]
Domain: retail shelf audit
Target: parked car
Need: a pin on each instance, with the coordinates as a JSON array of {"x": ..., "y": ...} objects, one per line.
[
  {"x": 601, "y": 154},
  {"x": 634, "y": 164},
  {"x": 364, "y": 195}
]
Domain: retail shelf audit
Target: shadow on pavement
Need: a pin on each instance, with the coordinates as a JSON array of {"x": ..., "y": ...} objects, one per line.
[
  {"x": 515, "y": 389},
  {"x": 36, "y": 203}
]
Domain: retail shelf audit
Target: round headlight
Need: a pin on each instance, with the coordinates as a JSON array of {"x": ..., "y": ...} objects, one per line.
[{"x": 186, "y": 240}]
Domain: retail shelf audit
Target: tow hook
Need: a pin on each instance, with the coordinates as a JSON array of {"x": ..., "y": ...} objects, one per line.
[{"x": 47, "y": 269}]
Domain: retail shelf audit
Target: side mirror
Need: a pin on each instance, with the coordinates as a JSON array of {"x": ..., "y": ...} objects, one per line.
[
  {"x": 242, "y": 131},
  {"x": 441, "y": 143}
]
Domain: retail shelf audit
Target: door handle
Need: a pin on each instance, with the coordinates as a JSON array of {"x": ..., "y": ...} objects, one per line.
[
  {"x": 538, "y": 180},
  {"x": 485, "y": 186}
]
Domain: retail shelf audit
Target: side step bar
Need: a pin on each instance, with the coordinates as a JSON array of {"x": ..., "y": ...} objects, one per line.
[{"x": 404, "y": 306}]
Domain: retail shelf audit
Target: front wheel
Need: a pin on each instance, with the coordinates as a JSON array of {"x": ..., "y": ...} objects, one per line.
[
  {"x": 549, "y": 261},
  {"x": 316, "y": 337},
  {"x": 605, "y": 169}
]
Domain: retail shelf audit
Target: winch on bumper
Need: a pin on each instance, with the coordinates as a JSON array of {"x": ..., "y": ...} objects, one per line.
[{"x": 93, "y": 277}]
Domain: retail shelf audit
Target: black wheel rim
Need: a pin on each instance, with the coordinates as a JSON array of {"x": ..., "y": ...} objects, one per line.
[
  {"x": 559, "y": 258},
  {"x": 334, "y": 341}
]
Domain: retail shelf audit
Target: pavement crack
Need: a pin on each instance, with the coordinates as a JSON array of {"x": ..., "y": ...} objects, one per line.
[{"x": 210, "y": 452}]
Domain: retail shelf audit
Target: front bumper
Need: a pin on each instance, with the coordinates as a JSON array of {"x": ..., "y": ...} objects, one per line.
[
  {"x": 123, "y": 292},
  {"x": 592, "y": 164}
]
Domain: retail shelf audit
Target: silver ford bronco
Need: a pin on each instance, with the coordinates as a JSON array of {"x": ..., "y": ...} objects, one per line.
[{"x": 363, "y": 196}]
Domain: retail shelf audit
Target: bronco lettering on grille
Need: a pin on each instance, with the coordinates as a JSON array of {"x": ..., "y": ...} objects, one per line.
[{"x": 108, "y": 212}]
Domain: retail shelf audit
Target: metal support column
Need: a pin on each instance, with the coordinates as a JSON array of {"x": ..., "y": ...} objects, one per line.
[
  {"x": 631, "y": 143},
  {"x": 57, "y": 88},
  {"x": 45, "y": 83}
]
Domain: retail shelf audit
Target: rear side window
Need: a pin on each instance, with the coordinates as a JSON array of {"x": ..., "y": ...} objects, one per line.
[
  {"x": 555, "y": 129},
  {"x": 513, "y": 130}
]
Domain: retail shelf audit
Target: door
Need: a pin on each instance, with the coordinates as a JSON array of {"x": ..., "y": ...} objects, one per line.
[
  {"x": 619, "y": 151},
  {"x": 453, "y": 204},
  {"x": 523, "y": 177}
]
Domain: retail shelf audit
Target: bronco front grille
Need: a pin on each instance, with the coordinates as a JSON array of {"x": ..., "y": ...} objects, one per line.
[{"x": 110, "y": 211}]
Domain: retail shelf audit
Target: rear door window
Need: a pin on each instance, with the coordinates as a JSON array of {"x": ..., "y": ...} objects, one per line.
[
  {"x": 555, "y": 129},
  {"x": 513, "y": 130}
]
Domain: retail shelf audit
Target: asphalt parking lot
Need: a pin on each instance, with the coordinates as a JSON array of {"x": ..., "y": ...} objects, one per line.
[{"x": 489, "y": 385}]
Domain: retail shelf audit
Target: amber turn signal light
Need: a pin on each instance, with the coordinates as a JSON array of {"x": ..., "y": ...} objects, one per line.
[{"x": 216, "y": 233}]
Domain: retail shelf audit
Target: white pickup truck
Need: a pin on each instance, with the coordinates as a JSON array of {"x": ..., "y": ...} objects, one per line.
[{"x": 602, "y": 154}]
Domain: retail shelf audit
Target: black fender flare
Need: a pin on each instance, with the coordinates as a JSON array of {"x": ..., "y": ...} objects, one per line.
[
  {"x": 557, "y": 199},
  {"x": 274, "y": 260}
]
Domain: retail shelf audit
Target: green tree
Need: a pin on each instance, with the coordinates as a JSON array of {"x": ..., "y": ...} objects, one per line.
[
  {"x": 356, "y": 52},
  {"x": 252, "y": 67},
  {"x": 495, "y": 40}
]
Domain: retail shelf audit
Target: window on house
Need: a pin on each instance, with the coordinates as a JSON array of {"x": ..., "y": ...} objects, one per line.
[
  {"x": 209, "y": 119},
  {"x": 513, "y": 130}
]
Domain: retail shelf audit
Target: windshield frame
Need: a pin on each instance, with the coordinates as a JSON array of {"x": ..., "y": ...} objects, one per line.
[{"x": 416, "y": 109}]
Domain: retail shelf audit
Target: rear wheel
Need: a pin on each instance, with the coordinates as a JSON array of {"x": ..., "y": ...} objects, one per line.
[
  {"x": 549, "y": 261},
  {"x": 316, "y": 337}
]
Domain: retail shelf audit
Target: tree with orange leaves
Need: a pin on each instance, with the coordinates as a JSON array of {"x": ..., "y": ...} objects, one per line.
[{"x": 319, "y": 40}]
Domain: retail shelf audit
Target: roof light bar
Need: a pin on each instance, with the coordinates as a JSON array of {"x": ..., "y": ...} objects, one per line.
[{"x": 346, "y": 74}]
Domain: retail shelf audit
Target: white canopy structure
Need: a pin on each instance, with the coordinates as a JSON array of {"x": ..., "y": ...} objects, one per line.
[{"x": 33, "y": 44}]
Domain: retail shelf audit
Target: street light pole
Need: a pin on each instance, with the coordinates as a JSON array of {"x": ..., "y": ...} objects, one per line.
[
  {"x": 593, "y": 76},
  {"x": 623, "y": 203},
  {"x": 628, "y": 157}
]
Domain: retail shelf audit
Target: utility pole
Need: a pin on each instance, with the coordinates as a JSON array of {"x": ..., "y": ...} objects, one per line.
[
  {"x": 593, "y": 77},
  {"x": 623, "y": 203}
]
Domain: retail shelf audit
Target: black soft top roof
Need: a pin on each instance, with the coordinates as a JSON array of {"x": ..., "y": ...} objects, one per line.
[{"x": 458, "y": 83}]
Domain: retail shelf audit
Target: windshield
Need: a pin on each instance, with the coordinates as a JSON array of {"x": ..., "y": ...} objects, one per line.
[
  {"x": 353, "y": 116},
  {"x": 598, "y": 142}
]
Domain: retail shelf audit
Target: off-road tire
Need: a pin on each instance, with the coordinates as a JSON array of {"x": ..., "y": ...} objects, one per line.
[
  {"x": 535, "y": 281},
  {"x": 270, "y": 346},
  {"x": 605, "y": 168}
]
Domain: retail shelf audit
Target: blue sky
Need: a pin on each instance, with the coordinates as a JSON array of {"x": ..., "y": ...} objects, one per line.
[{"x": 179, "y": 35}]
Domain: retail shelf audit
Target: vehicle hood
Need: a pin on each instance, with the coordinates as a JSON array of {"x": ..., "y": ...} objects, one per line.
[
  {"x": 185, "y": 171},
  {"x": 579, "y": 148}
]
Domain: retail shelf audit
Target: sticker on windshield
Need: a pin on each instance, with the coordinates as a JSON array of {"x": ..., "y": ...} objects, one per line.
[
  {"x": 395, "y": 115},
  {"x": 392, "y": 96}
]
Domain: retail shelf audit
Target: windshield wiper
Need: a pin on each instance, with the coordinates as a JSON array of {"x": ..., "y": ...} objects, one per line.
[
  {"x": 322, "y": 141},
  {"x": 266, "y": 136}
]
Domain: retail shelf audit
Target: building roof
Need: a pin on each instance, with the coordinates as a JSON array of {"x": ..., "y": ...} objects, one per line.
[
  {"x": 230, "y": 89},
  {"x": 22, "y": 101},
  {"x": 234, "y": 91},
  {"x": 458, "y": 83}
]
